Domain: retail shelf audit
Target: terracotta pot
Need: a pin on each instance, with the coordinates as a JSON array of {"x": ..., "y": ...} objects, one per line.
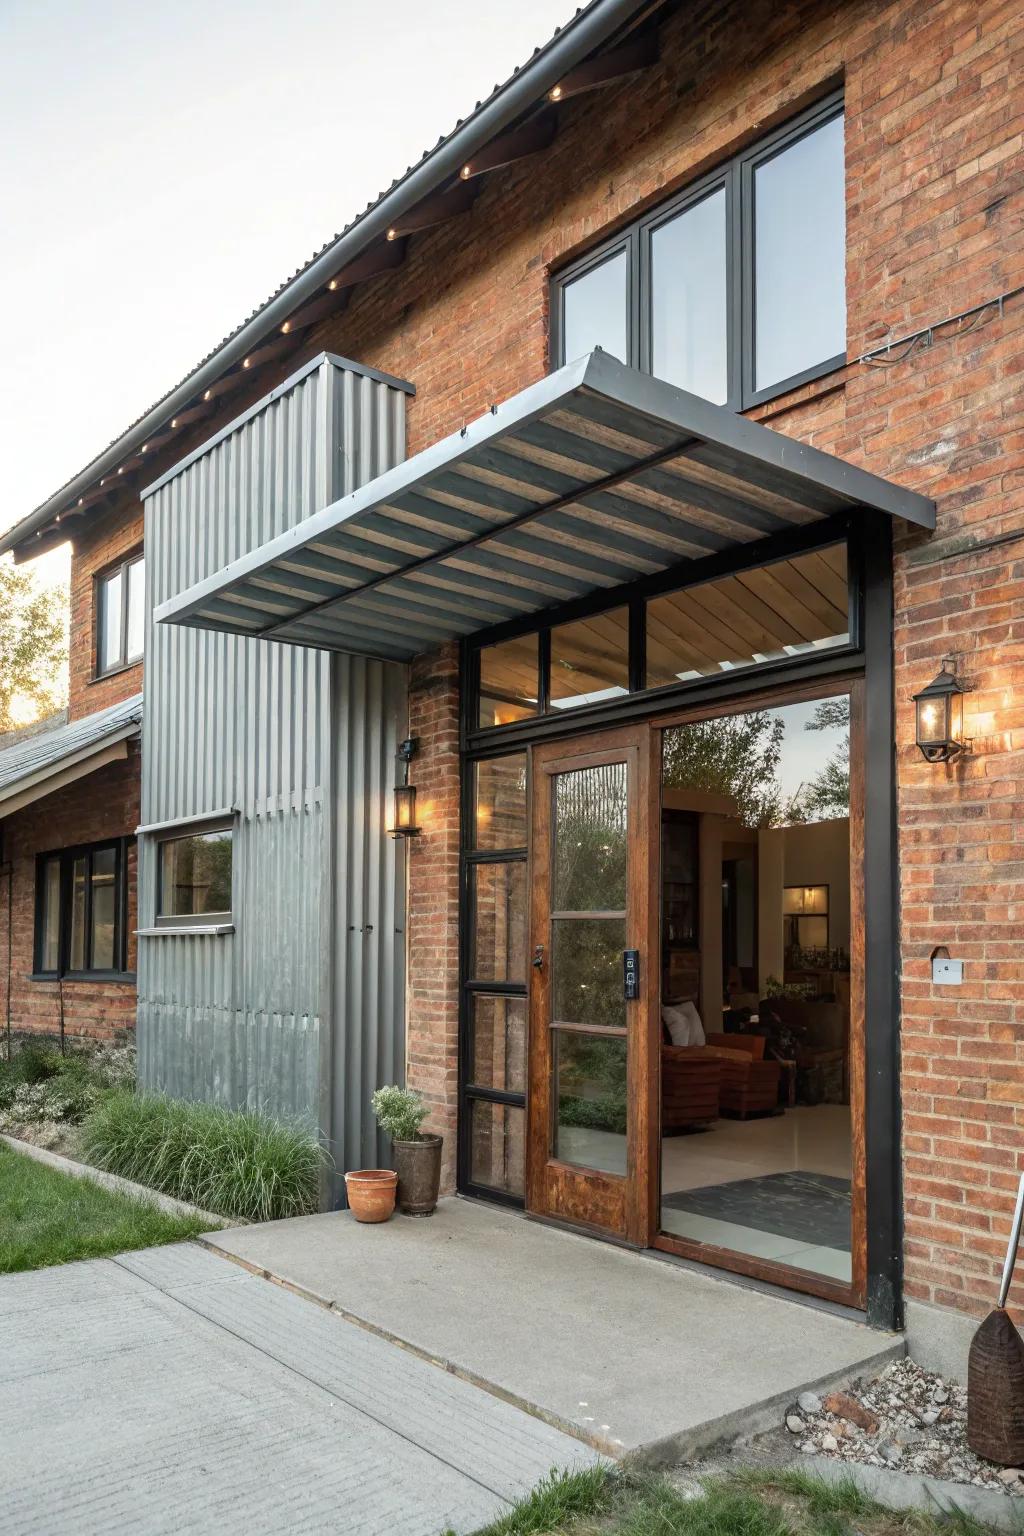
[
  {"x": 371, "y": 1193},
  {"x": 419, "y": 1174}
]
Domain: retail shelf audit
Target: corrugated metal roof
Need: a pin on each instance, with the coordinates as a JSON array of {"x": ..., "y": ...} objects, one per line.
[
  {"x": 591, "y": 27},
  {"x": 43, "y": 754},
  {"x": 594, "y": 476}
]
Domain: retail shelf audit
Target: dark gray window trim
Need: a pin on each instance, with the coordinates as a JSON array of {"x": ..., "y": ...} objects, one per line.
[
  {"x": 101, "y": 580},
  {"x": 66, "y": 858},
  {"x": 642, "y": 701},
  {"x": 735, "y": 176},
  {"x": 190, "y": 922}
]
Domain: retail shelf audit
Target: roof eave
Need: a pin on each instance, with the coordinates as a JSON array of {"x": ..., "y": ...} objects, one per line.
[{"x": 578, "y": 38}]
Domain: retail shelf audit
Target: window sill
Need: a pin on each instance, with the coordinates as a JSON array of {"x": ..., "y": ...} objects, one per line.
[
  {"x": 125, "y": 977},
  {"x": 184, "y": 930},
  {"x": 126, "y": 666}
]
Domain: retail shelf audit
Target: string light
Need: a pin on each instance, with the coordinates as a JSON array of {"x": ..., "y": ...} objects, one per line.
[
  {"x": 174, "y": 422},
  {"x": 555, "y": 93},
  {"x": 466, "y": 172},
  {"x": 246, "y": 361},
  {"x": 392, "y": 233},
  {"x": 332, "y": 285},
  {"x": 286, "y": 328},
  {"x": 208, "y": 395}
]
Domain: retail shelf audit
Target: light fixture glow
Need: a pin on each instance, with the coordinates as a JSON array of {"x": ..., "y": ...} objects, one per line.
[
  {"x": 392, "y": 233},
  {"x": 208, "y": 394},
  {"x": 939, "y": 711},
  {"x": 466, "y": 172},
  {"x": 555, "y": 93},
  {"x": 405, "y": 794}
]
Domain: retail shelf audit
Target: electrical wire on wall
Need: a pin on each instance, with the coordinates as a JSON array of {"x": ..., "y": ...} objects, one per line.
[{"x": 902, "y": 348}]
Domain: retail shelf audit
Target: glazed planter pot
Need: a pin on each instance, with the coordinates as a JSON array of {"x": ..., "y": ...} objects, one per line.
[
  {"x": 371, "y": 1193},
  {"x": 418, "y": 1164}
]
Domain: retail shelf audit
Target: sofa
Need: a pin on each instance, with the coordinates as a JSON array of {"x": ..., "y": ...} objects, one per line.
[
  {"x": 691, "y": 1077},
  {"x": 749, "y": 1084}
]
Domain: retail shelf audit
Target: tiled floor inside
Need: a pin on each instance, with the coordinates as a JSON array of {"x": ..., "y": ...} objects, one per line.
[{"x": 807, "y": 1140}]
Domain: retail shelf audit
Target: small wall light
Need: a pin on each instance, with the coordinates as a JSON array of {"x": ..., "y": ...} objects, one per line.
[
  {"x": 940, "y": 715},
  {"x": 405, "y": 794}
]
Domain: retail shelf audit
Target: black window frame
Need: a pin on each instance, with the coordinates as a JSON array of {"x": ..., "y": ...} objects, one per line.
[
  {"x": 641, "y": 700},
  {"x": 67, "y": 858},
  {"x": 191, "y": 920},
  {"x": 736, "y": 177},
  {"x": 101, "y": 583}
]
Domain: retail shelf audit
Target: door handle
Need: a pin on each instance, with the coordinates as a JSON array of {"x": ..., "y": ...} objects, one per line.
[
  {"x": 631, "y": 974},
  {"x": 538, "y": 957}
]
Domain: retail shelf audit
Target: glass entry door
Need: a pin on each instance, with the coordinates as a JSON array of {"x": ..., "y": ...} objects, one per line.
[{"x": 592, "y": 1113}]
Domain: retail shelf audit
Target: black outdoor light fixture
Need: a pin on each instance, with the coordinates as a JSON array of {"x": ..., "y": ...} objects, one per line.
[
  {"x": 405, "y": 793},
  {"x": 940, "y": 715}
]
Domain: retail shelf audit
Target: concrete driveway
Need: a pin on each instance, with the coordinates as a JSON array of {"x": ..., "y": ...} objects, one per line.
[{"x": 171, "y": 1391}]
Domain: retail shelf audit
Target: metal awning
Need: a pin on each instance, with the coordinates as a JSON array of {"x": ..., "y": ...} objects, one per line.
[{"x": 594, "y": 476}]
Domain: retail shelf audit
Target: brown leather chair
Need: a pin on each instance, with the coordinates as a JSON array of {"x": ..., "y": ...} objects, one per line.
[
  {"x": 750, "y": 1085},
  {"x": 691, "y": 1078}
]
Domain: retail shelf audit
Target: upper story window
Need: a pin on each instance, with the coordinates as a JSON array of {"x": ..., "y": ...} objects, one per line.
[
  {"x": 120, "y": 615},
  {"x": 736, "y": 290}
]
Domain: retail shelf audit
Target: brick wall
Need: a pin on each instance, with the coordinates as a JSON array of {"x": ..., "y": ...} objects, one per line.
[
  {"x": 102, "y": 805},
  {"x": 98, "y": 547},
  {"x": 935, "y": 191}
]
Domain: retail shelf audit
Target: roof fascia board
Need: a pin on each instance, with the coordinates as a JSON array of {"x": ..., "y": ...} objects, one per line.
[
  {"x": 578, "y": 38},
  {"x": 38, "y": 786}
]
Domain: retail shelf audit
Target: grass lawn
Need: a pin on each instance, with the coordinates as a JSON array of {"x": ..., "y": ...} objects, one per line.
[
  {"x": 783, "y": 1503},
  {"x": 51, "y": 1218}
]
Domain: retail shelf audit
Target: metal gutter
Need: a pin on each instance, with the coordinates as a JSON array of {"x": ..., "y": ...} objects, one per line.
[{"x": 578, "y": 38}]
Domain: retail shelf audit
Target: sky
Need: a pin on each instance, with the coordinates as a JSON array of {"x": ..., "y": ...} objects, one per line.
[{"x": 165, "y": 168}]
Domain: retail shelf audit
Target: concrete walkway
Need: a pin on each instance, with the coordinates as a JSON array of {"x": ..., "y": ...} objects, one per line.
[
  {"x": 630, "y": 1352},
  {"x": 170, "y": 1391}
]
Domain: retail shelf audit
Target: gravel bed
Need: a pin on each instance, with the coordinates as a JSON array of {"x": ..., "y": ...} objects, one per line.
[{"x": 907, "y": 1419}]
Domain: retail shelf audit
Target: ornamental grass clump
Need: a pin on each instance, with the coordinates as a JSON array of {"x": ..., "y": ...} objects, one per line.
[{"x": 239, "y": 1163}]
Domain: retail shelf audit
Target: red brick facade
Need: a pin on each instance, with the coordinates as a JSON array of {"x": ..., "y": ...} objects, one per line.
[
  {"x": 94, "y": 551},
  {"x": 935, "y": 192},
  {"x": 935, "y": 173},
  {"x": 102, "y": 805}
]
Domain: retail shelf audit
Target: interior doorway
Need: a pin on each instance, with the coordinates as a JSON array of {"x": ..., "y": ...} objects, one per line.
[{"x": 696, "y": 987}]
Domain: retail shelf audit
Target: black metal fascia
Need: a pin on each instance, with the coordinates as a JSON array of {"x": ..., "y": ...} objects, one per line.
[{"x": 579, "y": 38}]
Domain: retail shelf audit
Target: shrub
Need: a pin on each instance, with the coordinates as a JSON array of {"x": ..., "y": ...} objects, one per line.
[
  {"x": 40, "y": 1086},
  {"x": 400, "y": 1112},
  {"x": 239, "y": 1163}
]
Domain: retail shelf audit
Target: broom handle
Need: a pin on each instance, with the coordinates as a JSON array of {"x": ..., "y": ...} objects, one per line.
[{"x": 1011, "y": 1252}]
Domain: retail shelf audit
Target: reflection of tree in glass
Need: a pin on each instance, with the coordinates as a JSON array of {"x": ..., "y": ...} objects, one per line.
[
  {"x": 592, "y": 1082},
  {"x": 737, "y": 755},
  {"x": 590, "y": 839},
  {"x": 197, "y": 873},
  {"x": 586, "y": 971},
  {"x": 826, "y": 795}
]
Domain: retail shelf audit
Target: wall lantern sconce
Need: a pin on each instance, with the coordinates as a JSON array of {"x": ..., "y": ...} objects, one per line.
[
  {"x": 405, "y": 794},
  {"x": 940, "y": 716}
]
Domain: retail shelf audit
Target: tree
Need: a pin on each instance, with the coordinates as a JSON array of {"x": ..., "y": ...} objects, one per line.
[
  {"x": 33, "y": 645},
  {"x": 735, "y": 755},
  {"x": 827, "y": 794}
]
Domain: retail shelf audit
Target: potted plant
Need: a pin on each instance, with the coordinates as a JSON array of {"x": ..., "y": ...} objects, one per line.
[
  {"x": 371, "y": 1193},
  {"x": 417, "y": 1157}
]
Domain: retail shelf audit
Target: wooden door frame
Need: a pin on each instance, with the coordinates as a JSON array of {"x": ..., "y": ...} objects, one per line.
[
  {"x": 549, "y": 1181},
  {"x": 854, "y": 1293}
]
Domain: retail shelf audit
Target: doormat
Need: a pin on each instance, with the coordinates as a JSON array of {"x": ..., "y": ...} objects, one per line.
[{"x": 808, "y": 1207}]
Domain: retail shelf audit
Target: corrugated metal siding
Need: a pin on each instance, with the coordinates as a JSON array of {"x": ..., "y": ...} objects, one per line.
[
  {"x": 236, "y": 722},
  {"x": 368, "y": 943}
]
